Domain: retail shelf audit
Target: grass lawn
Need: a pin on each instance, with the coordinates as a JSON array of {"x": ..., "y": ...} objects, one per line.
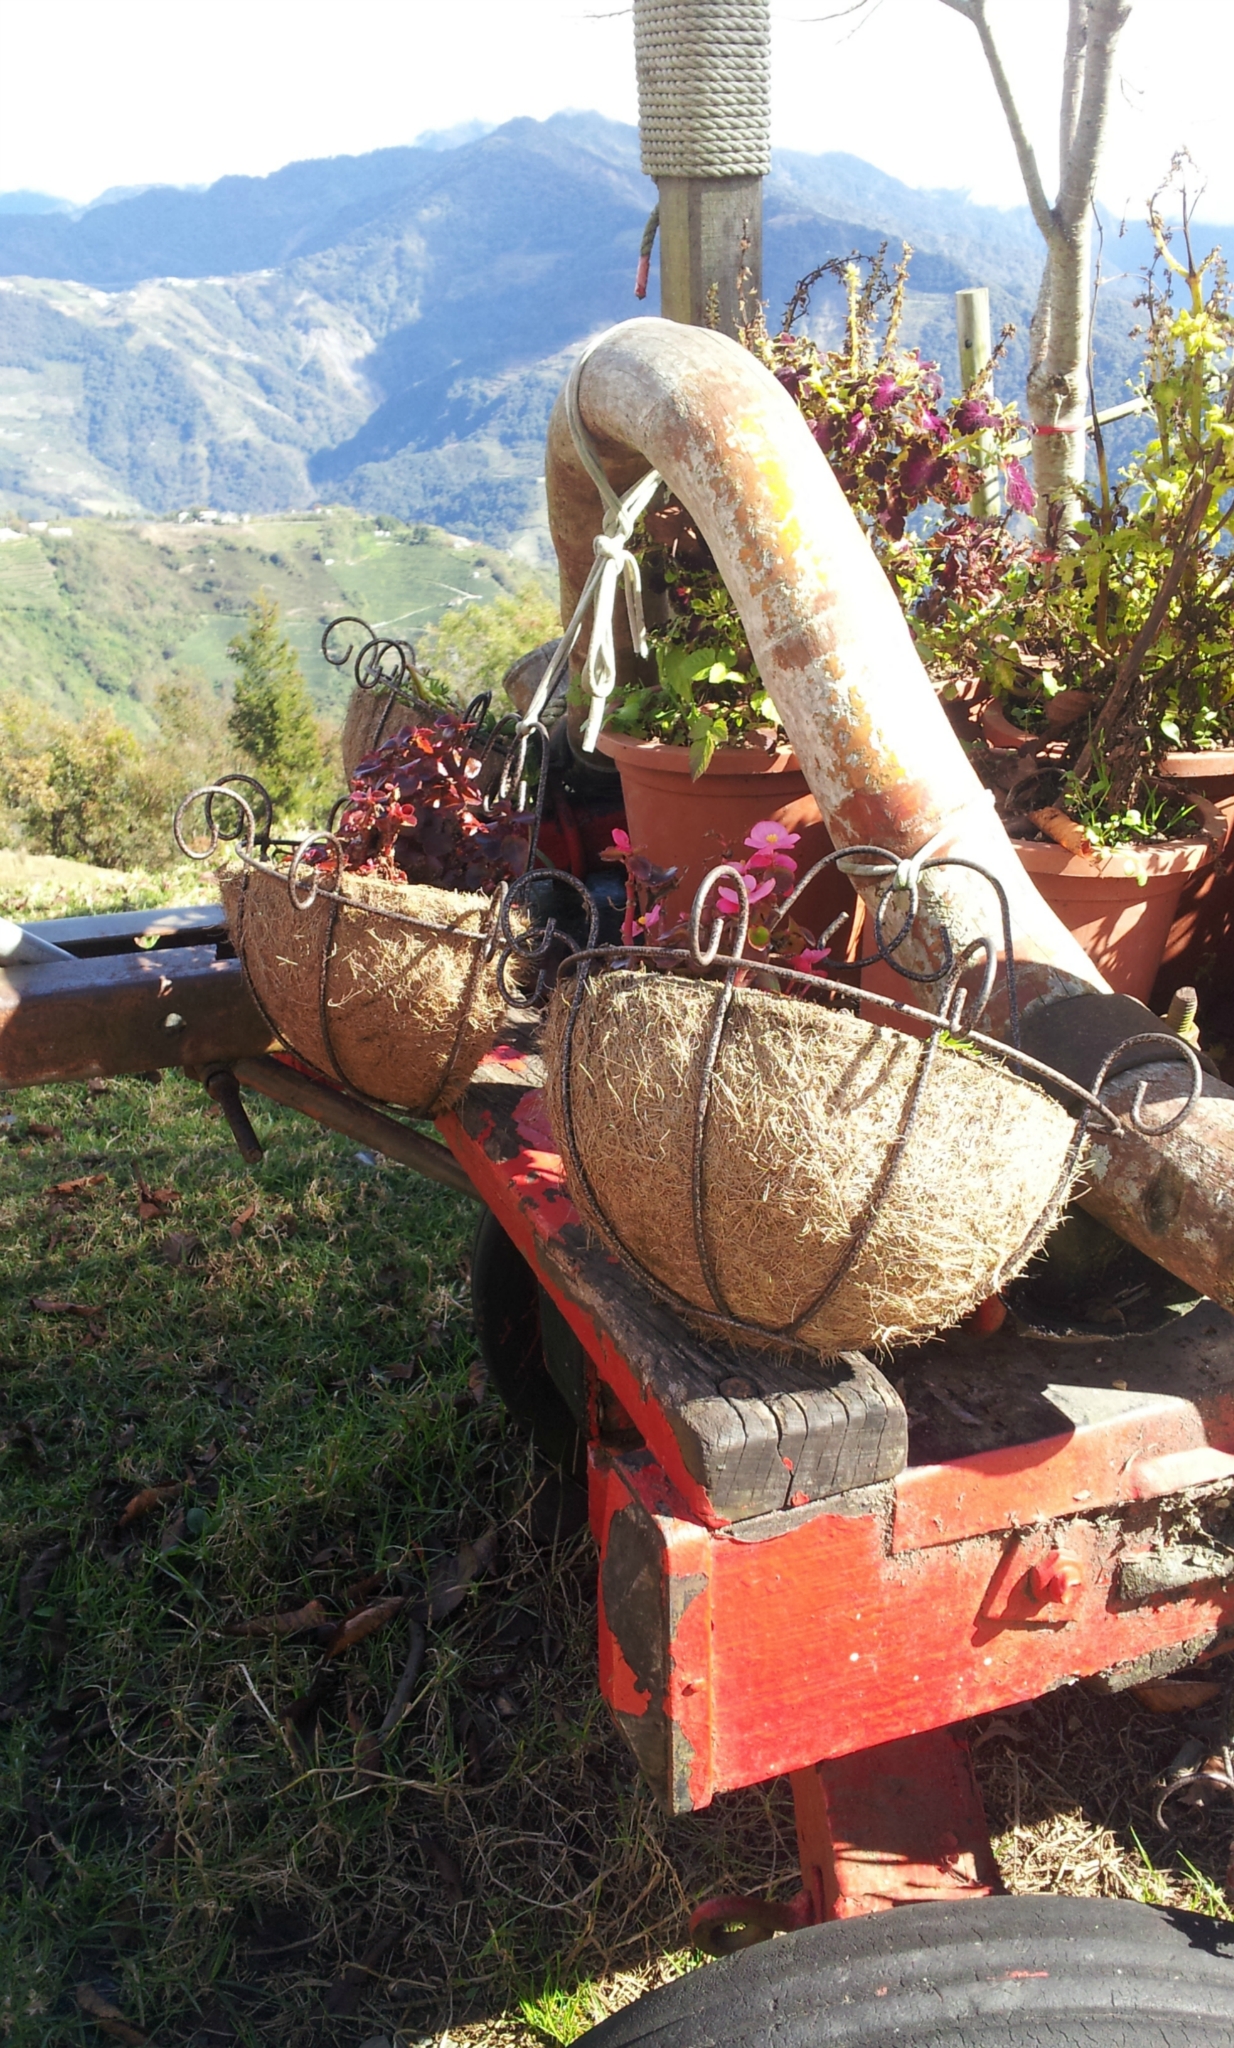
[{"x": 228, "y": 1394}]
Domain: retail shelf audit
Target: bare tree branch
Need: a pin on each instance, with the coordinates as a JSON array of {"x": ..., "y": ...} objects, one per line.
[
  {"x": 1073, "y": 80},
  {"x": 1106, "y": 20},
  {"x": 1043, "y": 212}
]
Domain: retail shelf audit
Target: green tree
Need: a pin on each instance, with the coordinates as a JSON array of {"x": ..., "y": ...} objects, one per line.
[
  {"x": 272, "y": 714},
  {"x": 86, "y": 792},
  {"x": 471, "y": 649}
]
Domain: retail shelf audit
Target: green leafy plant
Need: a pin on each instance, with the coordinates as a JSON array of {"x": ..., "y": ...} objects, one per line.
[
  {"x": 1109, "y": 652},
  {"x": 906, "y": 462}
]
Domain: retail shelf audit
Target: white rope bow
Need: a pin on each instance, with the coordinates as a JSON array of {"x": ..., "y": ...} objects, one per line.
[{"x": 612, "y": 567}]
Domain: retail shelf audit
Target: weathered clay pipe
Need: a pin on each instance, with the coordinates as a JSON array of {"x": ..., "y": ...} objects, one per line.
[{"x": 885, "y": 768}]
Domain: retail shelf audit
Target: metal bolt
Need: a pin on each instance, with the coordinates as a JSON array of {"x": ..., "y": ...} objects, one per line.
[{"x": 1057, "y": 1581}]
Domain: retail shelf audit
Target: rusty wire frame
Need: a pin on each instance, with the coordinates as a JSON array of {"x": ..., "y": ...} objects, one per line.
[
  {"x": 383, "y": 663},
  {"x": 704, "y": 955}
]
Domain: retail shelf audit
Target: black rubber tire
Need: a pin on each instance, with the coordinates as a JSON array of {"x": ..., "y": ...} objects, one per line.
[
  {"x": 506, "y": 1303},
  {"x": 991, "y": 1973}
]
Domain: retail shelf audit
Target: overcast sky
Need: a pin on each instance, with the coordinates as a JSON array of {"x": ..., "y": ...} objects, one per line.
[{"x": 140, "y": 91}]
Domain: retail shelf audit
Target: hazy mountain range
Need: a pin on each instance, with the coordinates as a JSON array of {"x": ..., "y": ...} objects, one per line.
[{"x": 389, "y": 330}]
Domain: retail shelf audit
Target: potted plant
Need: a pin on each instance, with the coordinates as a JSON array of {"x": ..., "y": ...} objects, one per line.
[
  {"x": 1107, "y": 665},
  {"x": 700, "y": 749}
]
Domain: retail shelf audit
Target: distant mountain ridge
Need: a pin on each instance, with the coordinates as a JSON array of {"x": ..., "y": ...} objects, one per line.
[{"x": 389, "y": 330}]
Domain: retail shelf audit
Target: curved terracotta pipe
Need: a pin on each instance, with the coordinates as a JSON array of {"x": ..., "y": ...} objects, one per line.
[{"x": 836, "y": 654}]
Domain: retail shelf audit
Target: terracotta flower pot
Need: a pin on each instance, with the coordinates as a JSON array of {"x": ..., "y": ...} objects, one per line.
[
  {"x": 693, "y": 825},
  {"x": 1197, "y": 950},
  {"x": 1121, "y": 921}
]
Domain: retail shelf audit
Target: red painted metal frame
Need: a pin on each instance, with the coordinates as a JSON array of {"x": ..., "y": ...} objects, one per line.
[{"x": 840, "y": 1642}]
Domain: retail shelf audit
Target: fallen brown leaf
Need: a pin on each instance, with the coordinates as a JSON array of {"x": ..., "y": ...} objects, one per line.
[
  {"x": 182, "y": 1248},
  {"x": 46, "y": 1305},
  {"x": 364, "y": 1622},
  {"x": 97, "y": 1086},
  {"x": 313, "y": 1615},
  {"x": 45, "y": 1131},
  {"x": 63, "y": 1191},
  {"x": 402, "y": 1372},
  {"x": 1175, "y": 1695},
  {"x": 108, "y": 2016},
  {"x": 154, "y": 1202},
  {"x": 150, "y": 1497},
  {"x": 1061, "y": 829},
  {"x": 246, "y": 1216}
]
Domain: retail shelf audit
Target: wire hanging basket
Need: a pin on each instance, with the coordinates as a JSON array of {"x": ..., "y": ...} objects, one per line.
[
  {"x": 799, "y": 1164},
  {"x": 390, "y": 989},
  {"x": 387, "y": 679}
]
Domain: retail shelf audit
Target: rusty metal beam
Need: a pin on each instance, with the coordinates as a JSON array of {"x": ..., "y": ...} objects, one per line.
[
  {"x": 354, "y": 1119},
  {"x": 836, "y": 654}
]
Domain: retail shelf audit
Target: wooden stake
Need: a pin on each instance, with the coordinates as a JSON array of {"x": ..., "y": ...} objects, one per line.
[{"x": 972, "y": 323}]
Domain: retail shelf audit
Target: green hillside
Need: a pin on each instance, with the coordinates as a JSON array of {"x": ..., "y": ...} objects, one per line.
[{"x": 108, "y": 611}]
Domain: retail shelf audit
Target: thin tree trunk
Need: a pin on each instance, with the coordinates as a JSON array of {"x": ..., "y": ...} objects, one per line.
[
  {"x": 1058, "y": 353},
  {"x": 1057, "y": 375}
]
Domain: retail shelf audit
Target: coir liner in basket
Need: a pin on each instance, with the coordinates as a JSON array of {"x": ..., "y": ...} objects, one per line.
[
  {"x": 816, "y": 1126},
  {"x": 390, "y": 988}
]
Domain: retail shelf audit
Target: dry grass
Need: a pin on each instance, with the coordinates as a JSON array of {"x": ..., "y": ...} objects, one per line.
[{"x": 1066, "y": 1788}]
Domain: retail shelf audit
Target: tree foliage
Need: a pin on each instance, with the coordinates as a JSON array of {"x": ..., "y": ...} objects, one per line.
[
  {"x": 271, "y": 718},
  {"x": 472, "y": 648}
]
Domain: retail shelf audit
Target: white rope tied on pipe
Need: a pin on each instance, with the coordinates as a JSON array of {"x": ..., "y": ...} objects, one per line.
[
  {"x": 907, "y": 872},
  {"x": 613, "y": 565},
  {"x": 704, "y": 87}
]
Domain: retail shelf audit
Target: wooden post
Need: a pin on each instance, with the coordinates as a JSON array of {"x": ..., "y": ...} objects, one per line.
[
  {"x": 711, "y": 250},
  {"x": 704, "y": 96},
  {"x": 972, "y": 322}
]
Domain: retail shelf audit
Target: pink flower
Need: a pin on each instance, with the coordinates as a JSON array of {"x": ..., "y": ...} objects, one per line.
[
  {"x": 886, "y": 392},
  {"x": 651, "y": 917},
  {"x": 621, "y": 839},
  {"x": 808, "y": 958},
  {"x": 728, "y": 904},
  {"x": 1019, "y": 490},
  {"x": 780, "y": 863},
  {"x": 768, "y": 836}
]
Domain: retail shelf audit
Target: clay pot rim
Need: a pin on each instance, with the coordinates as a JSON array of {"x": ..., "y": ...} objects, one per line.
[
  {"x": 667, "y": 760},
  {"x": 1186, "y": 763},
  {"x": 1163, "y": 859}
]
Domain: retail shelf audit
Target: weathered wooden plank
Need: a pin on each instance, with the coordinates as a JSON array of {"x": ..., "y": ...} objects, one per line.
[{"x": 73, "y": 1019}]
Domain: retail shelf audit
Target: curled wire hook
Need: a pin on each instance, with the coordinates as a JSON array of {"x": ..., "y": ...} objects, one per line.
[
  {"x": 335, "y": 626},
  {"x": 704, "y": 954},
  {"x": 528, "y": 945},
  {"x": 247, "y": 827},
  {"x": 300, "y": 864},
  {"x": 1172, "y": 1045}
]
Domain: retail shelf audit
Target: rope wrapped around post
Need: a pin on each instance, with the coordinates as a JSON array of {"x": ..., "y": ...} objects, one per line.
[{"x": 704, "y": 87}]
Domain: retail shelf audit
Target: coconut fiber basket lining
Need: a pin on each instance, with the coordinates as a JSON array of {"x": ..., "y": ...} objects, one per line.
[
  {"x": 814, "y": 1122},
  {"x": 389, "y": 988}
]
